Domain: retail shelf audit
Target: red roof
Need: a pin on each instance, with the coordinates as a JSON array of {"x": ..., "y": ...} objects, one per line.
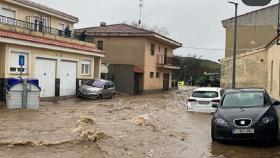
[
  {"x": 24, "y": 37},
  {"x": 115, "y": 28},
  {"x": 138, "y": 69}
]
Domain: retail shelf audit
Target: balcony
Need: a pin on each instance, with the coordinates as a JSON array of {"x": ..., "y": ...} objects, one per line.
[
  {"x": 25, "y": 27},
  {"x": 168, "y": 62}
]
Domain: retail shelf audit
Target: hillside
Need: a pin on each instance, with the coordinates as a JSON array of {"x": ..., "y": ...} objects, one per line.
[{"x": 193, "y": 68}]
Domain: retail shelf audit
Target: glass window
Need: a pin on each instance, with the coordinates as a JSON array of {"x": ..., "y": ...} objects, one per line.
[
  {"x": 86, "y": 67},
  {"x": 205, "y": 94},
  {"x": 14, "y": 62},
  {"x": 100, "y": 45},
  {"x": 98, "y": 84},
  {"x": 244, "y": 99},
  {"x": 157, "y": 75},
  {"x": 152, "y": 49},
  {"x": 151, "y": 74}
]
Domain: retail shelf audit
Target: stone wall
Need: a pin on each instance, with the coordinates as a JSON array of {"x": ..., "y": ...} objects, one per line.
[{"x": 251, "y": 70}]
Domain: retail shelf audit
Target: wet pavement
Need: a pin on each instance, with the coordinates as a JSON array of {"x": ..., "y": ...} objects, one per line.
[{"x": 155, "y": 126}]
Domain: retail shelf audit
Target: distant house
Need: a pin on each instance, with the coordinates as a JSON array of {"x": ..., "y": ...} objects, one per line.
[
  {"x": 52, "y": 54},
  {"x": 139, "y": 60}
]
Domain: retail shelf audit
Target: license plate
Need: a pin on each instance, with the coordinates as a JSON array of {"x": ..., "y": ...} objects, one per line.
[
  {"x": 203, "y": 102},
  {"x": 243, "y": 131}
]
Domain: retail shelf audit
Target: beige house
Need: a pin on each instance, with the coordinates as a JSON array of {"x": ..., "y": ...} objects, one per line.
[
  {"x": 51, "y": 52},
  {"x": 254, "y": 31},
  {"x": 147, "y": 56}
]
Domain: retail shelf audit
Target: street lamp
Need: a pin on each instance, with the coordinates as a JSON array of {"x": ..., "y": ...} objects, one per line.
[{"x": 234, "y": 45}]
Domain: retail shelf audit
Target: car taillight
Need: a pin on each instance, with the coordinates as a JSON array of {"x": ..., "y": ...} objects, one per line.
[
  {"x": 191, "y": 100},
  {"x": 216, "y": 100}
]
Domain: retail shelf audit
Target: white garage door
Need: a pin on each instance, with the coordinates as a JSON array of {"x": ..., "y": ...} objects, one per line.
[
  {"x": 45, "y": 72},
  {"x": 68, "y": 77}
]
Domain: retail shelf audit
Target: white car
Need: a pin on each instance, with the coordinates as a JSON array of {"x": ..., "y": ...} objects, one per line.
[{"x": 202, "y": 99}]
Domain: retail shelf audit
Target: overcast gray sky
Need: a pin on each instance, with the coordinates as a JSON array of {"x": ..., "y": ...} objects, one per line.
[{"x": 195, "y": 23}]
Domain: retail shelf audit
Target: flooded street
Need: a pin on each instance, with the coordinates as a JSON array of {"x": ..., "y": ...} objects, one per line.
[{"x": 155, "y": 126}]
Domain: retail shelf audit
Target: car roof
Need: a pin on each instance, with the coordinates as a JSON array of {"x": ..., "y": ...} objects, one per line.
[
  {"x": 208, "y": 89},
  {"x": 245, "y": 90},
  {"x": 102, "y": 80}
]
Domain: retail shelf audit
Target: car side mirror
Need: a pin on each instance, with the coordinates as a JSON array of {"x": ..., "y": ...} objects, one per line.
[
  {"x": 214, "y": 105},
  {"x": 276, "y": 103}
]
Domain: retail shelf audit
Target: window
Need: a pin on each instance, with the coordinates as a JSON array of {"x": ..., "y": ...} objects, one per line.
[
  {"x": 165, "y": 52},
  {"x": 14, "y": 62},
  {"x": 151, "y": 74},
  {"x": 152, "y": 49},
  {"x": 86, "y": 67},
  {"x": 10, "y": 14},
  {"x": 60, "y": 28},
  {"x": 157, "y": 75},
  {"x": 100, "y": 45}
]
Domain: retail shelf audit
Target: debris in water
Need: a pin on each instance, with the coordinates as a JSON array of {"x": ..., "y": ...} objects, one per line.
[
  {"x": 140, "y": 121},
  {"x": 31, "y": 143},
  {"x": 86, "y": 130}
]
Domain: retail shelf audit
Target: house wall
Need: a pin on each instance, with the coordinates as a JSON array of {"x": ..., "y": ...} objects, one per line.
[
  {"x": 151, "y": 65},
  {"x": 248, "y": 37},
  {"x": 2, "y": 70},
  {"x": 23, "y": 12},
  {"x": 251, "y": 70},
  {"x": 123, "y": 50},
  {"x": 123, "y": 77},
  {"x": 273, "y": 81},
  {"x": 50, "y": 54}
]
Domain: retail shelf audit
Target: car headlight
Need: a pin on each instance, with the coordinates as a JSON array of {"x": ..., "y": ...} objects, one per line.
[
  {"x": 221, "y": 122},
  {"x": 267, "y": 120}
]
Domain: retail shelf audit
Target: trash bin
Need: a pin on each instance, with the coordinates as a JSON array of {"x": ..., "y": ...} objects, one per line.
[{"x": 14, "y": 93}]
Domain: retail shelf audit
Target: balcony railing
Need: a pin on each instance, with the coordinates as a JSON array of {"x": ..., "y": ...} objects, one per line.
[
  {"x": 36, "y": 27},
  {"x": 168, "y": 61}
]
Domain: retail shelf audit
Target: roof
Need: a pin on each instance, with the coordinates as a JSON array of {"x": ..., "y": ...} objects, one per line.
[
  {"x": 208, "y": 89},
  {"x": 45, "y": 8},
  {"x": 124, "y": 30},
  {"x": 41, "y": 40}
]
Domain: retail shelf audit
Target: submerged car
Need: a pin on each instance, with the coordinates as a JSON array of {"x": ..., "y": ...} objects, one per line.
[
  {"x": 245, "y": 114},
  {"x": 97, "y": 89},
  {"x": 202, "y": 99}
]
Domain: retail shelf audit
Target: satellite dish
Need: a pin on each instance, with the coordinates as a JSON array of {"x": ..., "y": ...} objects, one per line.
[{"x": 256, "y": 2}]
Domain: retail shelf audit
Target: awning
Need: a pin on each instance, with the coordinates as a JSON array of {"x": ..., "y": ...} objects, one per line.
[{"x": 138, "y": 69}]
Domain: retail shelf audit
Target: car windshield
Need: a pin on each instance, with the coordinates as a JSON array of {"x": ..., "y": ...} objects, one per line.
[
  {"x": 98, "y": 84},
  {"x": 205, "y": 94},
  {"x": 244, "y": 100}
]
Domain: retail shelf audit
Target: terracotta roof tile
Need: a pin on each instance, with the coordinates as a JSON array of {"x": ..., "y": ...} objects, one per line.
[
  {"x": 116, "y": 28},
  {"x": 45, "y": 8},
  {"x": 29, "y": 38}
]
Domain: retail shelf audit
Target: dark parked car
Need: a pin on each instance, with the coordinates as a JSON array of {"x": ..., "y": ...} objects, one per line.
[
  {"x": 97, "y": 89},
  {"x": 246, "y": 114}
]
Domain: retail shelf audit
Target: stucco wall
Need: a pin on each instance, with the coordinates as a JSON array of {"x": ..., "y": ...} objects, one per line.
[
  {"x": 22, "y": 12},
  {"x": 251, "y": 70},
  {"x": 273, "y": 82},
  {"x": 2, "y": 60},
  {"x": 50, "y": 54},
  {"x": 249, "y": 37}
]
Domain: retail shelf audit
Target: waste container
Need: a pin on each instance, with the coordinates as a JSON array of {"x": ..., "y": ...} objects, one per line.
[{"x": 15, "y": 93}]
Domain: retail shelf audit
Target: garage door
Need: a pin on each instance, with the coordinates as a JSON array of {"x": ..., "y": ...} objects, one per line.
[
  {"x": 68, "y": 77},
  {"x": 45, "y": 72}
]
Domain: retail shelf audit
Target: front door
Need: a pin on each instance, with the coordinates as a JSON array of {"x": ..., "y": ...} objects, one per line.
[
  {"x": 137, "y": 83},
  {"x": 68, "y": 77},
  {"x": 46, "y": 72},
  {"x": 166, "y": 81}
]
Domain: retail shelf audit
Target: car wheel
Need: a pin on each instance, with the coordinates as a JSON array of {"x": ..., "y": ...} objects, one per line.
[
  {"x": 100, "y": 96},
  {"x": 113, "y": 95},
  {"x": 213, "y": 135}
]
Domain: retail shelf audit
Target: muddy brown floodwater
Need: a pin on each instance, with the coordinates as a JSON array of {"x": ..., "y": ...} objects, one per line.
[{"x": 155, "y": 126}]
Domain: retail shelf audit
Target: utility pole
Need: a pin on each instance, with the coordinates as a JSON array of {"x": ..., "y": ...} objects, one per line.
[
  {"x": 234, "y": 45},
  {"x": 141, "y": 5}
]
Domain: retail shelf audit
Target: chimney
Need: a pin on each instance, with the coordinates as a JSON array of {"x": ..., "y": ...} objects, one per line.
[{"x": 103, "y": 24}]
